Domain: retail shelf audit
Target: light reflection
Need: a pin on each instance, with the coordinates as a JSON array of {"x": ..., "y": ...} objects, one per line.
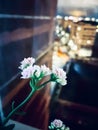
[
  {"x": 59, "y": 17},
  {"x": 96, "y": 20},
  {"x": 79, "y": 28},
  {"x": 77, "y": 13},
  {"x": 80, "y": 18},
  {"x": 97, "y": 30},
  {"x": 93, "y": 19},
  {"x": 76, "y": 36},
  {"x": 84, "y": 52},
  {"x": 87, "y": 19},
  {"x": 69, "y": 26},
  {"x": 88, "y": 41},
  {"x": 66, "y": 17}
]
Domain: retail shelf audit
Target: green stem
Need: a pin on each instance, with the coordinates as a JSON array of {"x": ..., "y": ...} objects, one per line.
[
  {"x": 42, "y": 85},
  {"x": 19, "y": 106}
]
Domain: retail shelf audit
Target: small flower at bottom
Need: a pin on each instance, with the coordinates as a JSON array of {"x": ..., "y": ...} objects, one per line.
[{"x": 58, "y": 125}]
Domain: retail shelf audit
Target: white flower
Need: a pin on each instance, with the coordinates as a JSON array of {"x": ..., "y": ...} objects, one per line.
[
  {"x": 27, "y": 62},
  {"x": 41, "y": 71},
  {"x": 27, "y": 72},
  {"x": 37, "y": 70},
  {"x": 45, "y": 70},
  {"x": 60, "y": 75},
  {"x": 57, "y": 123},
  {"x": 30, "y": 71}
]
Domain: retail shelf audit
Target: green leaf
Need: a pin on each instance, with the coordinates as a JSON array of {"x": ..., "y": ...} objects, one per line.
[
  {"x": 51, "y": 127},
  {"x": 13, "y": 103}
]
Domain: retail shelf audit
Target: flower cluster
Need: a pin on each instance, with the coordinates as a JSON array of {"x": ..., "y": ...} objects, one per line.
[
  {"x": 58, "y": 125},
  {"x": 35, "y": 73},
  {"x": 29, "y": 70}
]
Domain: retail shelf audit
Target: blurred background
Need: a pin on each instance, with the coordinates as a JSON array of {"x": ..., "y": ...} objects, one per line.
[{"x": 54, "y": 32}]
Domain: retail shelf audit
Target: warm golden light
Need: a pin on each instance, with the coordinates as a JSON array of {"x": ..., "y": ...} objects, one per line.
[
  {"x": 77, "y": 13},
  {"x": 81, "y": 36},
  {"x": 69, "y": 26},
  {"x": 79, "y": 28},
  {"x": 88, "y": 42},
  {"x": 84, "y": 52}
]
